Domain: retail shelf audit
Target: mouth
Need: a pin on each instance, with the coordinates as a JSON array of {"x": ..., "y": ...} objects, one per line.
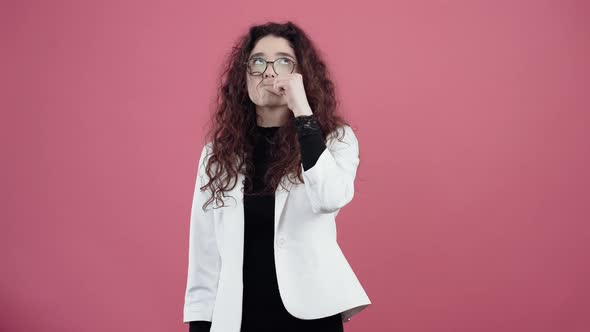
[{"x": 269, "y": 88}]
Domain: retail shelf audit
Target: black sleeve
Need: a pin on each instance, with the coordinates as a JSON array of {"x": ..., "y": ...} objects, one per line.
[
  {"x": 199, "y": 326},
  {"x": 310, "y": 137}
]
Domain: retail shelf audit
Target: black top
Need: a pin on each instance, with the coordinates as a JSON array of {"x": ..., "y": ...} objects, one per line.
[{"x": 262, "y": 307}]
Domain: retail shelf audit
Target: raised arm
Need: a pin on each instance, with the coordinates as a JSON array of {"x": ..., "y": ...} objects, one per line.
[{"x": 329, "y": 179}]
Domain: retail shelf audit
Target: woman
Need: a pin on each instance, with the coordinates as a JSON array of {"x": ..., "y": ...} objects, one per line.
[{"x": 278, "y": 166}]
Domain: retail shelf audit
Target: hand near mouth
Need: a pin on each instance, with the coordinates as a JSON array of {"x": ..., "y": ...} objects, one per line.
[{"x": 291, "y": 85}]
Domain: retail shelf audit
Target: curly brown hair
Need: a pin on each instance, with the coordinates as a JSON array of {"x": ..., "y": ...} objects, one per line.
[{"x": 233, "y": 122}]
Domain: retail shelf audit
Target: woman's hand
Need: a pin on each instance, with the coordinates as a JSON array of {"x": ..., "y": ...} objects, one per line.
[{"x": 291, "y": 85}]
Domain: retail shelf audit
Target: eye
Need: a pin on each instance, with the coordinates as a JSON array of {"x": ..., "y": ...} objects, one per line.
[
  {"x": 284, "y": 60},
  {"x": 258, "y": 61}
]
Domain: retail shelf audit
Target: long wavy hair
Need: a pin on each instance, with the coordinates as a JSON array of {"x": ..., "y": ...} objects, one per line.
[{"x": 233, "y": 122}]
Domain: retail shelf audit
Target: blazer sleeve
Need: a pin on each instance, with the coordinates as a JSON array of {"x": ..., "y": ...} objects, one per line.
[
  {"x": 329, "y": 183},
  {"x": 204, "y": 261}
]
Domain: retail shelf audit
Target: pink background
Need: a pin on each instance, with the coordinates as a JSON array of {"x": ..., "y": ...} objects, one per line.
[{"x": 472, "y": 207}]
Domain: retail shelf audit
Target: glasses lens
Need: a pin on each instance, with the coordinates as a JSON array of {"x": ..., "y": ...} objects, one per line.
[
  {"x": 256, "y": 66},
  {"x": 284, "y": 66}
]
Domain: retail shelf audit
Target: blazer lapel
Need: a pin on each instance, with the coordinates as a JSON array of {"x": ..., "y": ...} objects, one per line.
[{"x": 281, "y": 195}]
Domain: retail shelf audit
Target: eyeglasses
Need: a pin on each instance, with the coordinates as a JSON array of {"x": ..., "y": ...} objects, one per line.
[{"x": 257, "y": 66}]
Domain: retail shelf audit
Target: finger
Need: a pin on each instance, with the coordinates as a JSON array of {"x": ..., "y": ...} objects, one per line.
[
  {"x": 279, "y": 86},
  {"x": 283, "y": 80},
  {"x": 282, "y": 87}
]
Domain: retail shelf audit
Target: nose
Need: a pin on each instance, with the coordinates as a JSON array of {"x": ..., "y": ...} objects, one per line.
[{"x": 270, "y": 71}]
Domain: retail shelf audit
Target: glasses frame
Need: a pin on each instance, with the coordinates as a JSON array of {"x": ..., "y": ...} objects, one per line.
[{"x": 267, "y": 62}]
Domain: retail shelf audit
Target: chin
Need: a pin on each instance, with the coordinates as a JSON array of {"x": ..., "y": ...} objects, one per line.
[{"x": 275, "y": 102}]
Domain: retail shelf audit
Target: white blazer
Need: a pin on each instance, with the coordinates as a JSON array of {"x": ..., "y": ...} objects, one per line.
[{"x": 314, "y": 278}]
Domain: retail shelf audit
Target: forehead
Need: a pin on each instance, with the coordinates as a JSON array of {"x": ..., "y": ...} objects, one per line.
[{"x": 272, "y": 45}]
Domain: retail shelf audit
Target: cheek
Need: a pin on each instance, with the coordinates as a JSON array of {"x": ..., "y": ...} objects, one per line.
[
  {"x": 252, "y": 84},
  {"x": 254, "y": 92}
]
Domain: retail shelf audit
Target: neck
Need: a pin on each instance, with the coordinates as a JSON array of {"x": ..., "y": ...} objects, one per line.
[{"x": 268, "y": 116}]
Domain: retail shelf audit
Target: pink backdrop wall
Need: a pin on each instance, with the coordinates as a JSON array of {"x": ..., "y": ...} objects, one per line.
[{"x": 472, "y": 208}]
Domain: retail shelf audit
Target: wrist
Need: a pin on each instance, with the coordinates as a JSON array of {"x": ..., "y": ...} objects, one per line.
[{"x": 303, "y": 111}]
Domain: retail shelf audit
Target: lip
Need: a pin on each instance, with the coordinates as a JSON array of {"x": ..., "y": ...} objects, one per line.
[{"x": 271, "y": 90}]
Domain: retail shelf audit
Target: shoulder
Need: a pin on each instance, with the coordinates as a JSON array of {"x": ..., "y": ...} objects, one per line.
[
  {"x": 342, "y": 137},
  {"x": 204, "y": 157},
  {"x": 206, "y": 151}
]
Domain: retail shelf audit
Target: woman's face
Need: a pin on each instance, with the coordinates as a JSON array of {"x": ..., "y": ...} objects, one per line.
[{"x": 260, "y": 90}]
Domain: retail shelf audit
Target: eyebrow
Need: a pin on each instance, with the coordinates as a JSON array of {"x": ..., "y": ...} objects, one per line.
[{"x": 278, "y": 53}]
